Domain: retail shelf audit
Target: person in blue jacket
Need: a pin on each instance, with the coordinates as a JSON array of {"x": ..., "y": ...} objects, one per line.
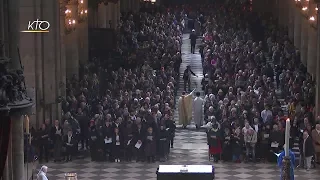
[{"x": 292, "y": 161}]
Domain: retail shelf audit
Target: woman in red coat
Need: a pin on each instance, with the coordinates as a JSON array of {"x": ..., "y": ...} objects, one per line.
[{"x": 214, "y": 142}]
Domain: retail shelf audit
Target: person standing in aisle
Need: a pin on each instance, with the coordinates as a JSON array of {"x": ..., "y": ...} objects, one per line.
[
  {"x": 193, "y": 40},
  {"x": 187, "y": 78}
]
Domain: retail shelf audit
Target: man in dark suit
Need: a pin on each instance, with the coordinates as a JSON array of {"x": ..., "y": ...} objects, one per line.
[
  {"x": 70, "y": 143},
  {"x": 193, "y": 40},
  {"x": 187, "y": 78},
  {"x": 139, "y": 137},
  {"x": 56, "y": 136},
  {"x": 307, "y": 150}
]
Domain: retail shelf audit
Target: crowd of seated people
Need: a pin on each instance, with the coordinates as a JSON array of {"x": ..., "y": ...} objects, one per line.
[
  {"x": 122, "y": 112},
  {"x": 254, "y": 81}
]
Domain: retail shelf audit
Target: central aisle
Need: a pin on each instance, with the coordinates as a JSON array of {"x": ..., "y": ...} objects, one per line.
[{"x": 194, "y": 61}]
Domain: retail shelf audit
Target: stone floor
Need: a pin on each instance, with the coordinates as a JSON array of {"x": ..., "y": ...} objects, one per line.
[{"x": 190, "y": 148}]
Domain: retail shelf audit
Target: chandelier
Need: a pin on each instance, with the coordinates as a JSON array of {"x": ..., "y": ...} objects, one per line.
[
  {"x": 82, "y": 11},
  {"x": 70, "y": 22}
]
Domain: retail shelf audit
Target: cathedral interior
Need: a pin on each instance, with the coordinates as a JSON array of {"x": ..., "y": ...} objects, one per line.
[{"x": 46, "y": 45}]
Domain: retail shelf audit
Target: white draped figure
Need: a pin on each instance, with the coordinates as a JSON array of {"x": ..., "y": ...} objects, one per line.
[
  {"x": 42, "y": 175},
  {"x": 198, "y": 110}
]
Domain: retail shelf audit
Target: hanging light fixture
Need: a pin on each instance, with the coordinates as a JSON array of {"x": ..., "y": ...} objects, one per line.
[
  {"x": 70, "y": 21},
  {"x": 82, "y": 11},
  {"x": 312, "y": 18}
]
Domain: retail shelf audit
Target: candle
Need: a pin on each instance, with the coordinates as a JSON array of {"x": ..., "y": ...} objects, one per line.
[
  {"x": 27, "y": 125},
  {"x": 287, "y": 137}
]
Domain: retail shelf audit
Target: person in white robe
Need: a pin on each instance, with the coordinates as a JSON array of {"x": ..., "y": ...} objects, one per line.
[
  {"x": 42, "y": 174},
  {"x": 198, "y": 110},
  {"x": 185, "y": 108}
]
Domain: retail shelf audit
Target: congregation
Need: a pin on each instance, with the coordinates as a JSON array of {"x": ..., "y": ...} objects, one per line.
[
  {"x": 254, "y": 81},
  {"x": 122, "y": 110}
]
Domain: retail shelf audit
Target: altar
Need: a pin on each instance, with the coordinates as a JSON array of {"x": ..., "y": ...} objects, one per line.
[{"x": 185, "y": 172}]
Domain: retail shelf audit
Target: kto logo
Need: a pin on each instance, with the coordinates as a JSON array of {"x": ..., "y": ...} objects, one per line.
[{"x": 38, "y": 26}]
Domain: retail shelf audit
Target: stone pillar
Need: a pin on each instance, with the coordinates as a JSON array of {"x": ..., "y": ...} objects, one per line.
[
  {"x": 291, "y": 11},
  {"x": 129, "y": 5},
  {"x": 109, "y": 14},
  {"x": 118, "y": 12},
  {"x": 8, "y": 173},
  {"x": 318, "y": 66},
  {"x": 83, "y": 38},
  {"x": 50, "y": 44},
  {"x": 138, "y": 5},
  {"x": 72, "y": 51},
  {"x": 312, "y": 51},
  {"x": 62, "y": 50},
  {"x": 102, "y": 18},
  {"x": 304, "y": 39},
  {"x": 297, "y": 28},
  {"x": 14, "y": 34},
  {"x": 114, "y": 16},
  {"x": 17, "y": 148},
  {"x": 281, "y": 12},
  {"x": 124, "y": 6}
]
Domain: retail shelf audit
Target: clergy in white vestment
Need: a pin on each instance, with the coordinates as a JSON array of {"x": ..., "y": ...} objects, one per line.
[
  {"x": 185, "y": 109},
  {"x": 198, "y": 110},
  {"x": 42, "y": 175}
]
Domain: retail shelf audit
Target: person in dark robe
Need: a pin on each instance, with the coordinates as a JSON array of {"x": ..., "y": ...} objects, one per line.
[
  {"x": 70, "y": 143},
  {"x": 187, "y": 78},
  {"x": 226, "y": 146},
  {"x": 107, "y": 132},
  {"x": 236, "y": 145},
  {"x": 93, "y": 141},
  {"x": 139, "y": 138},
  {"x": 171, "y": 127},
  {"x": 214, "y": 142},
  {"x": 56, "y": 136},
  {"x": 117, "y": 144},
  {"x": 150, "y": 145},
  {"x": 193, "y": 40},
  {"x": 84, "y": 123},
  {"x": 264, "y": 147},
  {"x": 163, "y": 143},
  {"x": 128, "y": 141},
  {"x": 43, "y": 143}
]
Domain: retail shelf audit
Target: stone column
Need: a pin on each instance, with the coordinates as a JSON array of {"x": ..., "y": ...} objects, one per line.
[
  {"x": 129, "y": 5},
  {"x": 61, "y": 62},
  {"x": 118, "y": 12},
  {"x": 83, "y": 37},
  {"x": 312, "y": 51},
  {"x": 281, "y": 12},
  {"x": 102, "y": 18},
  {"x": 17, "y": 148},
  {"x": 72, "y": 51},
  {"x": 8, "y": 173},
  {"x": 318, "y": 65},
  {"x": 297, "y": 28},
  {"x": 291, "y": 10},
  {"x": 50, "y": 45},
  {"x": 114, "y": 15},
  {"x": 304, "y": 39},
  {"x": 138, "y": 5},
  {"x": 14, "y": 34}
]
